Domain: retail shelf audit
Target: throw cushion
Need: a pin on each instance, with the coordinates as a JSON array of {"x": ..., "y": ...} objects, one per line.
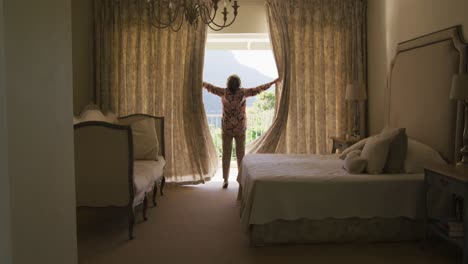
[
  {"x": 111, "y": 118},
  {"x": 397, "y": 150},
  {"x": 353, "y": 163},
  {"x": 93, "y": 115},
  {"x": 375, "y": 151},
  {"x": 75, "y": 120},
  {"x": 420, "y": 155},
  {"x": 145, "y": 140},
  {"x": 91, "y": 112}
]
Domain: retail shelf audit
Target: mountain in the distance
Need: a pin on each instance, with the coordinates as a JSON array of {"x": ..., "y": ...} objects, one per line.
[{"x": 219, "y": 65}]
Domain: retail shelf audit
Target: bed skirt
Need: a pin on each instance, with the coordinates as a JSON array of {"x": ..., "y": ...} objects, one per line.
[{"x": 305, "y": 231}]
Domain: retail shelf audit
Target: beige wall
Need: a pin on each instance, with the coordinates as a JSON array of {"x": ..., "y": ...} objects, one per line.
[
  {"x": 394, "y": 21},
  {"x": 251, "y": 18},
  {"x": 83, "y": 65},
  {"x": 5, "y": 235},
  {"x": 38, "y": 49},
  {"x": 377, "y": 62}
]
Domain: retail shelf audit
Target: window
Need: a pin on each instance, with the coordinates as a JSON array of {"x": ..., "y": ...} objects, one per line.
[{"x": 250, "y": 57}]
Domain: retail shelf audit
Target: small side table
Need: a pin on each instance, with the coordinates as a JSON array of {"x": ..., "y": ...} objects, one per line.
[
  {"x": 340, "y": 143},
  {"x": 452, "y": 180}
]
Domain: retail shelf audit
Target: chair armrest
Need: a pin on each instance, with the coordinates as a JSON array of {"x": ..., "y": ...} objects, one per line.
[{"x": 103, "y": 164}]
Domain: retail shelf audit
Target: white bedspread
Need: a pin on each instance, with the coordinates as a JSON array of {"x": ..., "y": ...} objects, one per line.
[{"x": 290, "y": 187}]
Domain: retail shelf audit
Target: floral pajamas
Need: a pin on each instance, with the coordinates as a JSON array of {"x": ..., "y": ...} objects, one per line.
[{"x": 227, "y": 150}]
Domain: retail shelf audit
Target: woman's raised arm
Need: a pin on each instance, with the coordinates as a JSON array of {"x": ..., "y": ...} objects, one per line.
[
  {"x": 213, "y": 89},
  {"x": 259, "y": 89}
]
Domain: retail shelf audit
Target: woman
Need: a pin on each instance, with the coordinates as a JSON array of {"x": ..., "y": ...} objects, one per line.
[{"x": 234, "y": 125}]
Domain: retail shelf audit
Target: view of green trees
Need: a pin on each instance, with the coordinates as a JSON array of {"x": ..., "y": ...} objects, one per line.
[
  {"x": 265, "y": 101},
  {"x": 259, "y": 119}
]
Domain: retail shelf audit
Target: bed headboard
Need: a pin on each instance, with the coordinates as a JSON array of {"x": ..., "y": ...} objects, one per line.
[{"x": 419, "y": 87}]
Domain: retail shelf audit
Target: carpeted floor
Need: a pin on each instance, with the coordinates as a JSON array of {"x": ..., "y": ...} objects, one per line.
[{"x": 200, "y": 224}]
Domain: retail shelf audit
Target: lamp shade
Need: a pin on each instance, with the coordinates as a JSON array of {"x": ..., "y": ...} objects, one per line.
[
  {"x": 355, "y": 91},
  {"x": 459, "y": 90}
]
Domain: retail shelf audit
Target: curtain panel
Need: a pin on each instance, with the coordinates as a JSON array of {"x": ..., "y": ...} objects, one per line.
[
  {"x": 142, "y": 69},
  {"x": 320, "y": 47}
]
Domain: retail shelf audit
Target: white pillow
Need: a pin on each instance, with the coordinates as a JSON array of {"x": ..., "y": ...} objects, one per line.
[
  {"x": 145, "y": 140},
  {"x": 397, "y": 150},
  {"x": 375, "y": 152},
  {"x": 420, "y": 155},
  {"x": 93, "y": 115},
  {"x": 92, "y": 112}
]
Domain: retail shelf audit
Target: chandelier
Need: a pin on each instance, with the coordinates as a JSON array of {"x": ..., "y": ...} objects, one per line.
[{"x": 172, "y": 13}]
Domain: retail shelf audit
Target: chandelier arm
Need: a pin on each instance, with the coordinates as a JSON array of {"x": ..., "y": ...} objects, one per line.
[
  {"x": 155, "y": 21},
  {"x": 177, "y": 14},
  {"x": 158, "y": 25},
  {"x": 224, "y": 24},
  {"x": 180, "y": 25},
  {"x": 220, "y": 27},
  {"x": 207, "y": 19},
  {"x": 165, "y": 24},
  {"x": 215, "y": 28},
  {"x": 233, "y": 20}
]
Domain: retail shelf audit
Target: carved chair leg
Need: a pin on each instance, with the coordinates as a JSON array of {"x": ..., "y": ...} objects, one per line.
[
  {"x": 131, "y": 222},
  {"x": 163, "y": 182},
  {"x": 155, "y": 191},
  {"x": 145, "y": 206}
]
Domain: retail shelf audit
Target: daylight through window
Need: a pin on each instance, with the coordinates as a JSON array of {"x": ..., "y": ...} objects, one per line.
[{"x": 250, "y": 57}]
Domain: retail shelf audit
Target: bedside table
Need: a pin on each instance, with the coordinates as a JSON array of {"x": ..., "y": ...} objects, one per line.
[
  {"x": 340, "y": 143},
  {"x": 450, "y": 180}
]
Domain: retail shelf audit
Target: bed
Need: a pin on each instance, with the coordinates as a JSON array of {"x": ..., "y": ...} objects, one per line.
[{"x": 311, "y": 198}]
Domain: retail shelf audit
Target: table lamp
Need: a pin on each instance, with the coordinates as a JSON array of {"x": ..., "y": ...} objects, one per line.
[{"x": 356, "y": 92}]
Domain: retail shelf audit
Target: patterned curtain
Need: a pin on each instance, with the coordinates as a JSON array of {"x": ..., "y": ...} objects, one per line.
[
  {"x": 142, "y": 69},
  {"x": 320, "y": 47}
]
